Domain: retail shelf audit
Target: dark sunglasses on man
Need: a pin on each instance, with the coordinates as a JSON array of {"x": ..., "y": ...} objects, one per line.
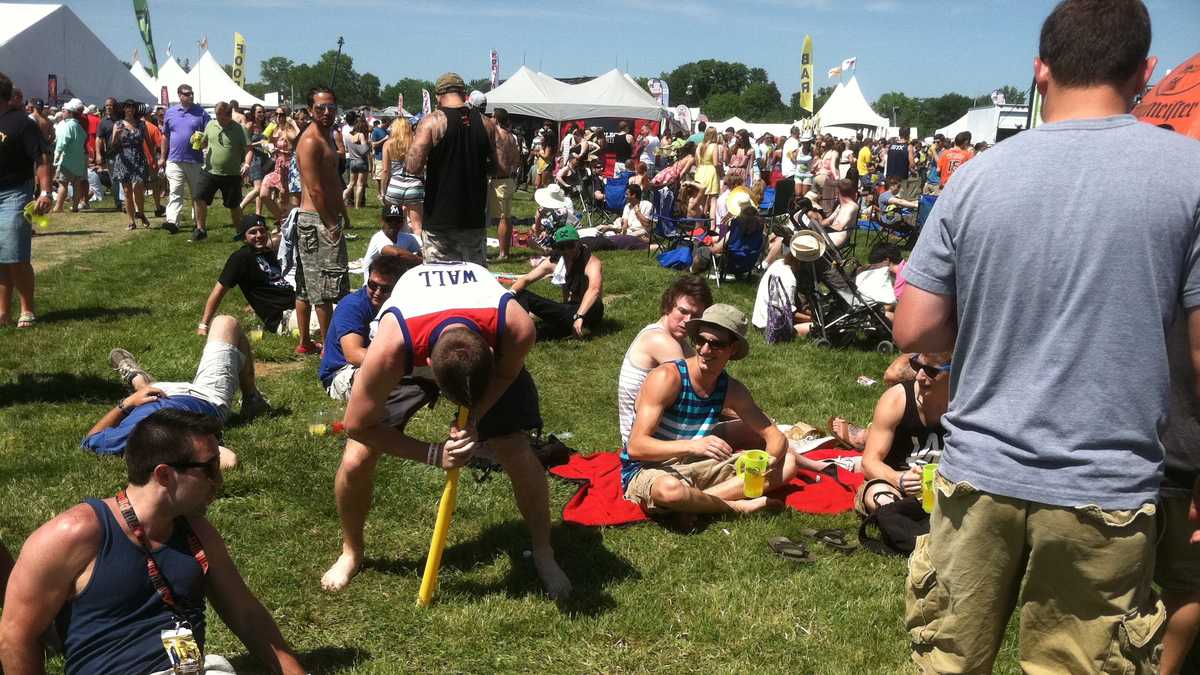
[
  {"x": 386, "y": 288},
  {"x": 932, "y": 371},
  {"x": 699, "y": 341},
  {"x": 212, "y": 468}
]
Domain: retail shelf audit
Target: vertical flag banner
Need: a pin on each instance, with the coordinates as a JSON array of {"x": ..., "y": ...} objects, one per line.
[
  {"x": 239, "y": 59},
  {"x": 495, "y": 69},
  {"x": 52, "y": 89},
  {"x": 163, "y": 97},
  {"x": 806, "y": 75},
  {"x": 425, "y": 107},
  {"x": 400, "y": 103},
  {"x": 666, "y": 94},
  {"x": 141, "y": 10}
]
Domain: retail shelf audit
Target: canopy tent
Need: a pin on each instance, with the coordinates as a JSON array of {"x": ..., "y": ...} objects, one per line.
[
  {"x": 147, "y": 80},
  {"x": 171, "y": 75},
  {"x": 613, "y": 94},
  {"x": 39, "y": 40},
  {"x": 1175, "y": 100},
  {"x": 212, "y": 84},
  {"x": 989, "y": 123},
  {"x": 847, "y": 112},
  {"x": 757, "y": 129}
]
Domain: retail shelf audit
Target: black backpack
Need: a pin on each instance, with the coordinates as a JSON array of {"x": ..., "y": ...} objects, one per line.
[{"x": 898, "y": 525}]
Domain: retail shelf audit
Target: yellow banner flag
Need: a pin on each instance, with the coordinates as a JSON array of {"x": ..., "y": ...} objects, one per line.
[
  {"x": 239, "y": 59},
  {"x": 806, "y": 75}
]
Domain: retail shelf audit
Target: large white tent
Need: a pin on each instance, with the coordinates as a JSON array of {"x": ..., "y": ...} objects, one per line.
[
  {"x": 847, "y": 112},
  {"x": 147, "y": 80},
  {"x": 39, "y": 40},
  {"x": 171, "y": 75},
  {"x": 989, "y": 123},
  {"x": 212, "y": 84},
  {"x": 613, "y": 94}
]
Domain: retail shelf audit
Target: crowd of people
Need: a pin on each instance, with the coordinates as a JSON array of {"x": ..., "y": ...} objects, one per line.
[{"x": 1050, "y": 493}]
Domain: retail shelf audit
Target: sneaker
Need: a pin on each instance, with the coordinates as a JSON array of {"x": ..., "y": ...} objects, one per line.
[
  {"x": 253, "y": 406},
  {"x": 124, "y": 363},
  {"x": 306, "y": 349},
  {"x": 160, "y": 211},
  {"x": 170, "y": 227},
  {"x": 199, "y": 235}
]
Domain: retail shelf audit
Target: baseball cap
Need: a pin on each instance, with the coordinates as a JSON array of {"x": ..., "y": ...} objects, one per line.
[
  {"x": 449, "y": 82},
  {"x": 391, "y": 212},
  {"x": 248, "y": 221},
  {"x": 565, "y": 234}
]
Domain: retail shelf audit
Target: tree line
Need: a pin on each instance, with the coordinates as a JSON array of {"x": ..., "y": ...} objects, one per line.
[{"x": 721, "y": 89}]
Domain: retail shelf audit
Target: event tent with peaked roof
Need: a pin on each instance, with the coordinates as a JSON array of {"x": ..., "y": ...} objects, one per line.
[
  {"x": 39, "y": 40},
  {"x": 147, "y": 80},
  {"x": 171, "y": 75},
  {"x": 212, "y": 84},
  {"x": 613, "y": 94},
  {"x": 847, "y": 112}
]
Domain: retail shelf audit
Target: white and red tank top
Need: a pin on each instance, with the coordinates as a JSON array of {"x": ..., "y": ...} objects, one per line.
[{"x": 435, "y": 295}]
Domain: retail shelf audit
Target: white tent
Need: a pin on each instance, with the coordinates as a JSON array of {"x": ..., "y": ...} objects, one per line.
[
  {"x": 212, "y": 84},
  {"x": 989, "y": 123},
  {"x": 612, "y": 94},
  {"x": 39, "y": 40},
  {"x": 147, "y": 80},
  {"x": 171, "y": 75},
  {"x": 847, "y": 112}
]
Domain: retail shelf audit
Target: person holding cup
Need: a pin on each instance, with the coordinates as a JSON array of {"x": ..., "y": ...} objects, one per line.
[{"x": 905, "y": 434}]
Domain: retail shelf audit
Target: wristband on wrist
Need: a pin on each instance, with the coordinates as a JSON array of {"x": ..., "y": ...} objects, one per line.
[
  {"x": 576, "y": 318},
  {"x": 202, "y": 326},
  {"x": 433, "y": 454},
  {"x": 122, "y": 407},
  {"x": 45, "y": 193}
]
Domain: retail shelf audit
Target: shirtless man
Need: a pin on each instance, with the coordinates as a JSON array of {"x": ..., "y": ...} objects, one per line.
[
  {"x": 448, "y": 327},
  {"x": 322, "y": 275},
  {"x": 455, "y": 147}
]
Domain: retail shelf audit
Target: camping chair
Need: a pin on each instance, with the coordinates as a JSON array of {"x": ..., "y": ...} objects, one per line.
[
  {"x": 742, "y": 254},
  {"x": 614, "y": 191},
  {"x": 669, "y": 230},
  {"x": 897, "y": 224}
]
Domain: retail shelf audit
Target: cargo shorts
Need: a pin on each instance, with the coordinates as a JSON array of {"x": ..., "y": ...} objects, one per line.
[
  {"x": 322, "y": 269},
  {"x": 455, "y": 245},
  {"x": 1079, "y": 576}
]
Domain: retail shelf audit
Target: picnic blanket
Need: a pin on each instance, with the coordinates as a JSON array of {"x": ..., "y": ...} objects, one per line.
[{"x": 600, "y": 500}]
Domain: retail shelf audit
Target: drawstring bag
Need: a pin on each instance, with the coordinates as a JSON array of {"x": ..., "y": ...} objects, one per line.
[{"x": 779, "y": 317}]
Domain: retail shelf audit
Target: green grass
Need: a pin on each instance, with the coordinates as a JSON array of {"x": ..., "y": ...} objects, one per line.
[{"x": 647, "y": 599}]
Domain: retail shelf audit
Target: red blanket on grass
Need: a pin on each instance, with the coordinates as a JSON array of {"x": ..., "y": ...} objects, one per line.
[{"x": 600, "y": 500}]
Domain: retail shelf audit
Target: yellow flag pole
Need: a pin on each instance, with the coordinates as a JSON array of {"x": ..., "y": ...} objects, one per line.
[{"x": 441, "y": 527}]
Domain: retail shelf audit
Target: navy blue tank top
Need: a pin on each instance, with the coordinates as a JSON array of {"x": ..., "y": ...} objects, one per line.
[{"x": 113, "y": 625}]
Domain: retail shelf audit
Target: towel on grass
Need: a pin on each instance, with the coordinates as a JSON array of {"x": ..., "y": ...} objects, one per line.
[{"x": 601, "y": 501}]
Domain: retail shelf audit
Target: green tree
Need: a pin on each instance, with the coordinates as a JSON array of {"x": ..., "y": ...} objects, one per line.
[
  {"x": 411, "y": 88},
  {"x": 900, "y": 109},
  {"x": 722, "y": 106},
  {"x": 819, "y": 98},
  {"x": 368, "y": 86},
  {"x": 940, "y": 111},
  {"x": 275, "y": 73},
  {"x": 694, "y": 82},
  {"x": 760, "y": 102},
  {"x": 483, "y": 84}
]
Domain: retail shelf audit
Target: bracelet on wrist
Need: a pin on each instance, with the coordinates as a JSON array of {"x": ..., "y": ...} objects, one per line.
[
  {"x": 123, "y": 408},
  {"x": 202, "y": 326},
  {"x": 433, "y": 455}
]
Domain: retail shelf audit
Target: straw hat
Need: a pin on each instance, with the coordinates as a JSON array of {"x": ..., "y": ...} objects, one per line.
[
  {"x": 552, "y": 197},
  {"x": 728, "y": 318},
  {"x": 807, "y": 246},
  {"x": 738, "y": 199}
]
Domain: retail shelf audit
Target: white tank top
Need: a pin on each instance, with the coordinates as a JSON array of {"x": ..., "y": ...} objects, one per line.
[{"x": 629, "y": 383}]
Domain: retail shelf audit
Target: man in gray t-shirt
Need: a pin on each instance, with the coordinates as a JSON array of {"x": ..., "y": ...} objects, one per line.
[{"x": 1057, "y": 306}]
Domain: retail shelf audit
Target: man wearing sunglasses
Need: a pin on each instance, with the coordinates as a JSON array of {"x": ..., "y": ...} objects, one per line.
[
  {"x": 89, "y": 566},
  {"x": 582, "y": 281},
  {"x": 681, "y": 456},
  {"x": 179, "y": 160}
]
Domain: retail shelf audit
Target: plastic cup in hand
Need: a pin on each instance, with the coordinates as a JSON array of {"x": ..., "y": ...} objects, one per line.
[
  {"x": 197, "y": 137},
  {"x": 39, "y": 219},
  {"x": 751, "y": 467},
  {"x": 928, "y": 493}
]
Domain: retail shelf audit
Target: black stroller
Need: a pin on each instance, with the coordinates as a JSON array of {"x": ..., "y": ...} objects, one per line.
[{"x": 841, "y": 315}]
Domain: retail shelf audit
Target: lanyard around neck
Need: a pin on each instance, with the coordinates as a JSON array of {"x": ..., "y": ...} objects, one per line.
[{"x": 156, "y": 576}]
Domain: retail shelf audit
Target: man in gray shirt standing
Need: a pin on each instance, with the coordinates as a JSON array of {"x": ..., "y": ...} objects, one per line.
[{"x": 1057, "y": 306}]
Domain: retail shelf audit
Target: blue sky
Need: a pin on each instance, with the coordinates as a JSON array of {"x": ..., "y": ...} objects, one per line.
[{"x": 920, "y": 47}]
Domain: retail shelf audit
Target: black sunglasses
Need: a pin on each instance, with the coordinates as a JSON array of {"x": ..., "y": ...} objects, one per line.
[
  {"x": 699, "y": 341},
  {"x": 380, "y": 287},
  {"x": 931, "y": 371},
  {"x": 212, "y": 467},
  {"x": 327, "y": 107}
]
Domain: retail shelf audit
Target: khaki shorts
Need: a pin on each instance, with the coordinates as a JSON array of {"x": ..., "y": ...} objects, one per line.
[
  {"x": 455, "y": 245},
  {"x": 378, "y": 169},
  {"x": 500, "y": 196},
  {"x": 1177, "y": 562},
  {"x": 342, "y": 382},
  {"x": 322, "y": 269},
  {"x": 700, "y": 474},
  {"x": 216, "y": 379},
  {"x": 1082, "y": 575}
]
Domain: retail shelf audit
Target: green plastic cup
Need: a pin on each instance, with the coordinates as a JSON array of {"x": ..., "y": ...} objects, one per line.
[{"x": 751, "y": 467}]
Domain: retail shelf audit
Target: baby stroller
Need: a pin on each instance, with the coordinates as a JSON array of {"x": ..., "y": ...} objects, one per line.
[{"x": 841, "y": 314}]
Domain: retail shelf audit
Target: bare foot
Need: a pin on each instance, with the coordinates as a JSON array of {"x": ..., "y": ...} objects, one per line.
[
  {"x": 229, "y": 459},
  {"x": 555, "y": 581},
  {"x": 848, "y": 434},
  {"x": 340, "y": 573},
  {"x": 745, "y": 506}
]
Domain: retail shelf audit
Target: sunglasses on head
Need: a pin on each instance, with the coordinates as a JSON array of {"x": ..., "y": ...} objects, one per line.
[
  {"x": 386, "y": 288},
  {"x": 211, "y": 468},
  {"x": 931, "y": 371},
  {"x": 699, "y": 341}
]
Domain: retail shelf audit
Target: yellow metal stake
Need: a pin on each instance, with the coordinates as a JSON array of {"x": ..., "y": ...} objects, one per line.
[{"x": 441, "y": 528}]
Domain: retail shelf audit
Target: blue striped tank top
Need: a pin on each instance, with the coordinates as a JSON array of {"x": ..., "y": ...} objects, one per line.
[{"x": 690, "y": 416}]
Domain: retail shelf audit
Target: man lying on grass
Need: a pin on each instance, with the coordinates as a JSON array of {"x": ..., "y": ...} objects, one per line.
[
  {"x": 90, "y": 568},
  {"x": 679, "y": 456}
]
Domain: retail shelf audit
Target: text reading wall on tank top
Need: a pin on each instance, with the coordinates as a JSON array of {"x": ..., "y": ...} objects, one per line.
[{"x": 456, "y": 174}]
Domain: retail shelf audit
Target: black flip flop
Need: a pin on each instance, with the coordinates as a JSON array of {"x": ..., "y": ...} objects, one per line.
[
  {"x": 790, "y": 550},
  {"x": 832, "y": 537}
]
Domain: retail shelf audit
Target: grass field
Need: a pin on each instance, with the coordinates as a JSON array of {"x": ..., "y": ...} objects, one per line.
[{"x": 647, "y": 599}]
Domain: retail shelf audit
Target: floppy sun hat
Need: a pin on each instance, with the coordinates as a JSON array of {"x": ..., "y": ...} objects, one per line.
[
  {"x": 728, "y": 318},
  {"x": 552, "y": 197}
]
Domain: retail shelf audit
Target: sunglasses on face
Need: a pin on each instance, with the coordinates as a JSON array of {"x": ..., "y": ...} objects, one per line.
[
  {"x": 931, "y": 371},
  {"x": 386, "y": 288},
  {"x": 714, "y": 344},
  {"x": 212, "y": 468},
  {"x": 325, "y": 107}
]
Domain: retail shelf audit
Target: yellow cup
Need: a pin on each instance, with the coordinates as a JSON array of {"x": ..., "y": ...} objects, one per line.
[
  {"x": 318, "y": 429},
  {"x": 751, "y": 467},
  {"x": 39, "y": 219},
  {"x": 256, "y": 335},
  {"x": 928, "y": 492},
  {"x": 197, "y": 137}
]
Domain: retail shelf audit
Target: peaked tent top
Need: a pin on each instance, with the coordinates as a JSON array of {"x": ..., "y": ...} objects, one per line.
[
  {"x": 613, "y": 94},
  {"x": 212, "y": 84},
  {"x": 140, "y": 73},
  {"x": 171, "y": 75},
  {"x": 847, "y": 107}
]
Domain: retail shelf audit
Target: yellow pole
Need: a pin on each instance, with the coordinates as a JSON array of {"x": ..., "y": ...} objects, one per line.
[{"x": 441, "y": 527}]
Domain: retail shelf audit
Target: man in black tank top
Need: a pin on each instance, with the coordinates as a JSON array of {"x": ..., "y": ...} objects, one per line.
[{"x": 456, "y": 148}]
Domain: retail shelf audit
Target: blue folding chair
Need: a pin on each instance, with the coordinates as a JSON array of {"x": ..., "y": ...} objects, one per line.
[{"x": 669, "y": 231}]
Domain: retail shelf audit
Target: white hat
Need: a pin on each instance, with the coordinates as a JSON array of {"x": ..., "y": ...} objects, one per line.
[
  {"x": 807, "y": 246},
  {"x": 738, "y": 199},
  {"x": 806, "y": 137},
  {"x": 74, "y": 105},
  {"x": 91, "y": 109},
  {"x": 552, "y": 197},
  {"x": 477, "y": 100}
]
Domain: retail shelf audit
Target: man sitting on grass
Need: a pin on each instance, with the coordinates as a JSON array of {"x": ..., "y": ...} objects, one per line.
[
  {"x": 88, "y": 568},
  {"x": 679, "y": 457},
  {"x": 226, "y": 365},
  {"x": 581, "y": 276}
]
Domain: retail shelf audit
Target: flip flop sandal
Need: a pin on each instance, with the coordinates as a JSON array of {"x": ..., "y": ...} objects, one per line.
[
  {"x": 26, "y": 321},
  {"x": 832, "y": 537},
  {"x": 790, "y": 550},
  {"x": 831, "y": 470},
  {"x": 844, "y": 440}
]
